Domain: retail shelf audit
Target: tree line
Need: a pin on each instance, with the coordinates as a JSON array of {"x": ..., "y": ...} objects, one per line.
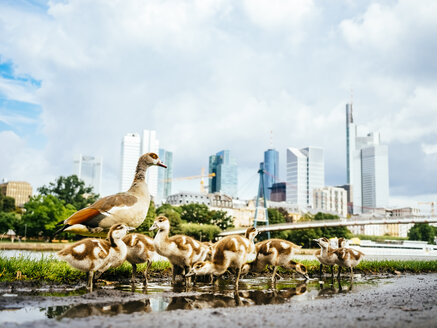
[{"x": 66, "y": 195}]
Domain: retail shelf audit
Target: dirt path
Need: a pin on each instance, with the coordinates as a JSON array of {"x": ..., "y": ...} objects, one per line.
[{"x": 405, "y": 301}]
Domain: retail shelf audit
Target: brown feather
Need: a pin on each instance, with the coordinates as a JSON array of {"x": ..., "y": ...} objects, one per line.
[
  {"x": 107, "y": 203},
  {"x": 82, "y": 216}
]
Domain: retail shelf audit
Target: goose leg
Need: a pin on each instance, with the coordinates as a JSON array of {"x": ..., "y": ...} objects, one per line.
[
  {"x": 320, "y": 271},
  {"x": 237, "y": 280},
  {"x": 146, "y": 273},
  {"x": 134, "y": 272},
  {"x": 173, "y": 274},
  {"x": 274, "y": 275},
  {"x": 339, "y": 271},
  {"x": 332, "y": 272},
  {"x": 90, "y": 280}
]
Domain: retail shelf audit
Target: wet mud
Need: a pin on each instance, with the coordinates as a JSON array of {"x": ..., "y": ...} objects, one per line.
[{"x": 404, "y": 301}]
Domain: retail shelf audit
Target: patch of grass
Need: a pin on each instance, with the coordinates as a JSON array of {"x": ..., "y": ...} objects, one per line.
[
  {"x": 49, "y": 269},
  {"x": 375, "y": 267},
  {"x": 53, "y": 270}
]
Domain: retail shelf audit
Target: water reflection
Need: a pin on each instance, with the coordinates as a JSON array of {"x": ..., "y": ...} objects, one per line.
[
  {"x": 164, "y": 297},
  {"x": 86, "y": 310}
]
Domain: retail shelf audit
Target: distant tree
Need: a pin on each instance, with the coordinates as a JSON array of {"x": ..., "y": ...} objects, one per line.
[
  {"x": 70, "y": 190},
  {"x": 221, "y": 219},
  {"x": 196, "y": 213},
  {"x": 285, "y": 214},
  {"x": 9, "y": 221},
  {"x": 304, "y": 237},
  {"x": 42, "y": 214},
  {"x": 422, "y": 231},
  {"x": 325, "y": 216},
  {"x": 201, "y": 232},
  {"x": 7, "y": 204}
]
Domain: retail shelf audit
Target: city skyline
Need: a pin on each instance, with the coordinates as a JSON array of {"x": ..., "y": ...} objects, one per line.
[{"x": 222, "y": 76}]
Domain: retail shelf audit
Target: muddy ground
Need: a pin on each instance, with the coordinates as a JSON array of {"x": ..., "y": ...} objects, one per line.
[{"x": 396, "y": 301}]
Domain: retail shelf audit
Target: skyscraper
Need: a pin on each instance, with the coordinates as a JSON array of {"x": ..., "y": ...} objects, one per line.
[
  {"x": 367, "y": 167},
  {"x": 89, "y": 169},
  {"x": 130, "y": 152},
  {"x": 149, "y": 144},
  {"x": 165, "y": 176},
  {"x": 133, "y": 146},
  {"x": 226, "y": 173},
  {"x": 305, "y": 171},
  {"x": 271, "y": 166}
]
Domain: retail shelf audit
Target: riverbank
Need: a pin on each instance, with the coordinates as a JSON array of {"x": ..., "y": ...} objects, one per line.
[
  {"x": 27, "y": 246},
  {"x": 402, "y": 301}
]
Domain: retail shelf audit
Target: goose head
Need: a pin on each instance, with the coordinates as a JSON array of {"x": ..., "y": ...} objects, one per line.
[
  {"x": 251, "y": 233},
  {"x": 200, "y": 269},
  {"x": 150, "y": 159},
  {"x": 323, "y": 242},
  {"x": 341, "y": 242},
  {"x": 161, "y": 223},
  {"x": 299, "y": 268},
  {"x": 118, "y": 231}
]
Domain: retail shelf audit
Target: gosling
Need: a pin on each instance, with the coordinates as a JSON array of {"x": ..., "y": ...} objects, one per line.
[
  {"x": 276, "y": 253},
  {"x": 97, "y": 255},
  {"x": 229, "y": 252},
  {"x": 325, "y": 255},
  {"x": 140, "y": 249},
  {"x": 182, "y": 251}
]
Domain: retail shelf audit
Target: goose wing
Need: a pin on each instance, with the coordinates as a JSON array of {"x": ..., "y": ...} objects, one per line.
[{"x": 92, "y": 215}]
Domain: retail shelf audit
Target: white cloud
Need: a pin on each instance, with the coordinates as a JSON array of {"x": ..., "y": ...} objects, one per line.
[
  {"x": 429, "y": 149},
  {"x": 213, "y": 75}
]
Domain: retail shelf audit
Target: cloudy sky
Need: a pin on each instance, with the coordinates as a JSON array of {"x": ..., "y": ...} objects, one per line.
[{"x": 208, "y": 75}]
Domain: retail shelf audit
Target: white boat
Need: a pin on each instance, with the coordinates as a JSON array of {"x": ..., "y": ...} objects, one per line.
[{"x": 391, "y": 247}]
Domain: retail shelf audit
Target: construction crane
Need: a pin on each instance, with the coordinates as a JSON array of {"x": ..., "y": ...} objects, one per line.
[
  {"x": 201, "y": 177},
  {"x": 432, "y": 204}
]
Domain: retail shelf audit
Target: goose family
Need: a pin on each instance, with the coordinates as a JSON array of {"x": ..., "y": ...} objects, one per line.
[
  {"x": 229, "y": 252},
  {"x": 93, "y": 255},
  {"x": 182, "y": 251},
  {"x": 129, "y": 208},
  {"x": 275, "y": 253},
  {"x": 140, "y": 249}
]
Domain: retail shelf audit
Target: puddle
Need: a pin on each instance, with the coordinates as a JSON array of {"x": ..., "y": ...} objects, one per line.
[{"x": 164, "y": 297}]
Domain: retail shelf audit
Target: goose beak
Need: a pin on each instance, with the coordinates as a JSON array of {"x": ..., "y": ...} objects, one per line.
[
  {"x": 189, "y": 274},
  {"x": 153, "y": 227},
  {"x": 162, "y": 165}
]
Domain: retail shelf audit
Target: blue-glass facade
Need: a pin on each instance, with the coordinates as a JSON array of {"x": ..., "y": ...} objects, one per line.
[
  {"x": 226, "y": 173},
  {"x": 271, "y": 166}
]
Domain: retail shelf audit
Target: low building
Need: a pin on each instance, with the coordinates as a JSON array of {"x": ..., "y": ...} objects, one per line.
[
  {"x": 278, "y": 192},
  {"x": 330, "y": 199},
  {"x": 19, "y": 190}
]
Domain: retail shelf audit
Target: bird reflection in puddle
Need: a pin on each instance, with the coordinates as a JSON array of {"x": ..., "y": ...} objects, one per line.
[{"x": 199, "y": 301}]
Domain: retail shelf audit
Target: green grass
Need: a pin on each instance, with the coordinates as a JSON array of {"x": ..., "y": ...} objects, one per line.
[
  {"x": 52, "y": 270},
  {"x": 375, "y": 267},
  {"x": 49, "y": 269}
]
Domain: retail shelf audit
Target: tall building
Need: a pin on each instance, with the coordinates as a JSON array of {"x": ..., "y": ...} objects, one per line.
[
  {"x": 367, "y": 167},
  {"x": 89, "y": 169},
  {"x": 330, "y": 199},
  {"x": 226, "y": 173},
  {"x": 130, "y": 152},
  {"x": 19, "y": 190},
  {"x": 149, "y": 144},
  {"x": 271, "y": 166},
  {"x": 165, "y": 176},
  {"x": 305, "y": 172}
]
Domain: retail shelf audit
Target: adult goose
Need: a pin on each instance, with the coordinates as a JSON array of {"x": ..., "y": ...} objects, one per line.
[{"x": 129, "y": 208}]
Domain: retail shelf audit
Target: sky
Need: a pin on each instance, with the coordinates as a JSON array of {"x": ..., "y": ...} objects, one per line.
[{"x": 208, "y": 75}]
